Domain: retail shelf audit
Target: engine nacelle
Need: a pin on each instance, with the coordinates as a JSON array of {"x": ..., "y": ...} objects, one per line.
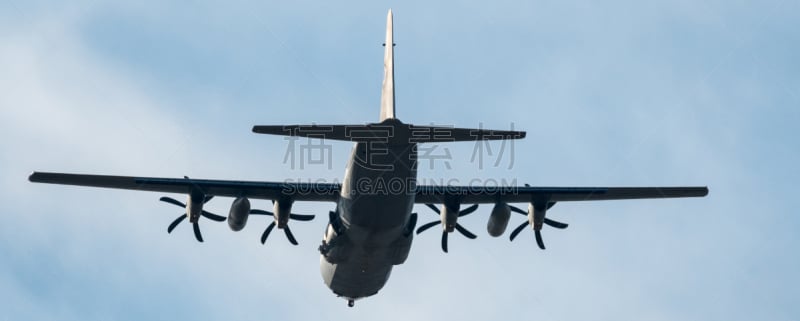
[
  {"x": 498, "y": 220},
  {"x": 536, "y": 214},
  {"x": 194, "y": 206},
  {"x": 449, "y": 216},
  {"x": 240, "y": 211},
  {"x": 282, "y": 209}
]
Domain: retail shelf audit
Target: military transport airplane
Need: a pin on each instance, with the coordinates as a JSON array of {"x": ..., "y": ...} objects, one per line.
[{"x": 370, "y": 231}]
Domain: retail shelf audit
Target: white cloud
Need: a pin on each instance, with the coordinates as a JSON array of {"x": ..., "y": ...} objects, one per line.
[{"x": 100, "y": 254}]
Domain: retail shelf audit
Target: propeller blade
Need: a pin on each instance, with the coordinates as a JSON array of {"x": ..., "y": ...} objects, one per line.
[
  {"x": 468, "y": 210},
  {"x": 260, "y": 212},
  {"x": 517, "y": 230},
  {"x": 427, "y": 226},
  {"x": 518, "y": 210},
  {"x": 555, "y": 224},
  {"x": 433, "y": 207},
  {"x": 301, "y": 217},
  {"x": 172, "y": 201},
  {"x": 412, "y": 222},
  {"x": 289, "y": 235},
  {"x": 539, "y": 239},
  {"x": 266, "y": 232},
  {"x": 175, "y": 223},
  {"x": 197, "y": 234},
  {"x": 213, "y": 217},
  {"x": 549, "y": 205},
  {"x": 444, "y": 241},
  {"x": 207, "y": 198},
  {"x": 464, "y": 232}
]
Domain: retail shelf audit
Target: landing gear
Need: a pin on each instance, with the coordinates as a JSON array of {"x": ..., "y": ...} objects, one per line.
[{"x": 351, "y": 303}]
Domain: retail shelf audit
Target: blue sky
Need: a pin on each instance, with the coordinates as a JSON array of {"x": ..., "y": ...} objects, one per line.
[{"x": 622, "y": 93}]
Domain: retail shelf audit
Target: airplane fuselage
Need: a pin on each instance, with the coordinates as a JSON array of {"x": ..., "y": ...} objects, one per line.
[{"x": 374, "y": 219}]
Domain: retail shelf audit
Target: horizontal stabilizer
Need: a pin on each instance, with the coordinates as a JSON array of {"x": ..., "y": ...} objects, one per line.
[
  {"x": 441, "y": 134},
  {"x": 390, "y": 131}
]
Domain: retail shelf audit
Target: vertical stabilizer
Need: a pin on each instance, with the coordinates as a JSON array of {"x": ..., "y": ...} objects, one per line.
[{"x": 387, "y": 92}]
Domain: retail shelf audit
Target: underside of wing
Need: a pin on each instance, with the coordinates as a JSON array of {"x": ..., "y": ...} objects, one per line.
[
  {"x": 524, "y": 194},
  {"x": 330, "y": 192},
  {"x": 250, "y": 189},
  {"x": 539, "y": 199}
]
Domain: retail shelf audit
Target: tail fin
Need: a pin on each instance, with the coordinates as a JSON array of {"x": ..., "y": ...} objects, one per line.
[
  {"x": 390, "y": 130},
  {"x": 387, "y": 92}
]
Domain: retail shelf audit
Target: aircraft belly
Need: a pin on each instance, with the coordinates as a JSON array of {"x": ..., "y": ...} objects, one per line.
[
  {"x": 374, "y": 208},
  {"x": 379, "y": 194},
  {"x": 355, "y": 278},
  {"x": 377, "y": 214},
  {"x": 367, "y": 265}
]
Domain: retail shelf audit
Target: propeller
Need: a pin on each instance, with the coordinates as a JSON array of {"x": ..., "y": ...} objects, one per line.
[
  {"x": 195, "y": 225},
  {"x": 538, "y": 232},
  {"x": 458, "y": 227},
  {"x": 286, "y": 230}
]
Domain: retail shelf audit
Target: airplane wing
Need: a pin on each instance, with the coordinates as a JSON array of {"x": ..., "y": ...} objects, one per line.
[
  {"x": 539, "y": 198},
  {"x": 526, "y": 194},
  {"x": 330, "y": 192},
  {"x": 256, "y": 190}
]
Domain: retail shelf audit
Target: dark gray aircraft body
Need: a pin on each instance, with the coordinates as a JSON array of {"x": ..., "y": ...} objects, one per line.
[{"x": 372, "y": 227}]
